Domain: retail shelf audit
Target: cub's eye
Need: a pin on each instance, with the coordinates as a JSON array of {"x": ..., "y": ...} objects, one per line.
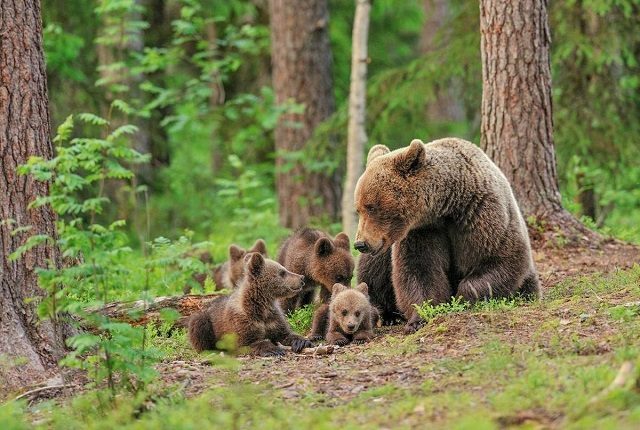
[
  {"x": 282, "y": 273},
  {"x": 370, "y": 208},
  {"x": 344, "y": 313},
  {"x": 340, "y": 280},
  {"x": 357, "y": 314}
]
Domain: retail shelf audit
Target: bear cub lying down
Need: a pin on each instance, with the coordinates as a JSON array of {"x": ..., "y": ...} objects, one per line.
[
  {"x": 351, "y": 316},
  {"x": 323, "y": 261},
  {"x": 251, "y": 312}
]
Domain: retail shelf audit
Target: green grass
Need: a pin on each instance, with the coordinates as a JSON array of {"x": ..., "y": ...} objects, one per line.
[{"x": 495, "y": 365}]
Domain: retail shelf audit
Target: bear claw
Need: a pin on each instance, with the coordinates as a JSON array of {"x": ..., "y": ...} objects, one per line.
[
  {"x": 300, "y": 344},
  {"x": 413, "y": 326}
]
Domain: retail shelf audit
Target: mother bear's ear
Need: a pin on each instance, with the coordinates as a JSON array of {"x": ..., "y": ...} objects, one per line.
[
  {"x": 411, "y": 160},
  {"x": 375, "y": 152}
]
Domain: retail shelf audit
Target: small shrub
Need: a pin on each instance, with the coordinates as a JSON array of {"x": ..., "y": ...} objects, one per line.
[{"x": 301, "y": 319}]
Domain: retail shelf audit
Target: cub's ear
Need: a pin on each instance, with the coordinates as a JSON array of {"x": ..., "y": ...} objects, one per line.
[
  {"x": 342, "y": 240},
  {"x": 236, "y": 253},
  {"x": 259, "y": 246},
  {"x": 375, "y": 152},
  {"x": 323, "y": 247},
  {"x": 363, "y": 288},
  {"x": 412, "y": 159},
  {"x": 254, "y": 263},
  {"x": 337, "y": 289}
]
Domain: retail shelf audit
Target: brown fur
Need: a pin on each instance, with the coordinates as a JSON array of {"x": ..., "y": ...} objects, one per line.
[
  {"x": 229, "y": 274},
  {"x": 351, "y": 316},
  {"x": 251, "y": 313},
  {"x": 375, "y": 271},
  {"x": 452, "y": 221},
  {"x": 323, "y": 261}
]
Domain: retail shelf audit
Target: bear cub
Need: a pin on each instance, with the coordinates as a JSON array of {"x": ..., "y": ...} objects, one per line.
[
  {"x": 251, "y": 312},
  {"x": 351, "y": 315},
  {"x": 229, "y": 274},
  {"x": 323, "y": 261}
]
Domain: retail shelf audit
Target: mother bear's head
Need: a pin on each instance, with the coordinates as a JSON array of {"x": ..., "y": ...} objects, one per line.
[{"x": 388, "y": 196}]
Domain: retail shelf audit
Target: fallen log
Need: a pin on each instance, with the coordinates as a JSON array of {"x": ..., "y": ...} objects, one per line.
[{"x": 141, "y": 312}]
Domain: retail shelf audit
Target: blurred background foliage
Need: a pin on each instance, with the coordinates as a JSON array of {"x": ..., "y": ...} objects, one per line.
[{"x": 194, "y": 77}]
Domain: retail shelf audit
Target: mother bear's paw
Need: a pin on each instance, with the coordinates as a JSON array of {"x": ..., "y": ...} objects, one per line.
[{"x": 414, "y": 324}]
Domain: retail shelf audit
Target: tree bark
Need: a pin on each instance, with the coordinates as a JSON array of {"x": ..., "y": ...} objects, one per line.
[
  {"x": 32, "y": 346},
  {"x": 301, "y": 59},
  {"x": 517, "y": 126},
  {"x": 150, "y": 312},
  {"x": 447, "y": 105},
  {"x": 356, "y": 132}
]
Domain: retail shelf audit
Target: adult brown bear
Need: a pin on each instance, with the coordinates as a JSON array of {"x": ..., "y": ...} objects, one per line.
[{"x": 452, "y": 221}]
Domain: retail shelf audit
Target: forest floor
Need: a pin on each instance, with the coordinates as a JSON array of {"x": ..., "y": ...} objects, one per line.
[
  {"x": 544, "y": 363},
  {"x": 569, "y": 360}
]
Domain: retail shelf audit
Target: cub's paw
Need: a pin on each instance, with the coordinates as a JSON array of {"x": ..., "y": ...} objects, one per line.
[
  {"x": 361, "y": 340},
  {"x": 315, "y": 337},
  {"x": 276, "y": 352},
  {"x": 340, "y": 342},
  {"x": 299, "y": 344}
]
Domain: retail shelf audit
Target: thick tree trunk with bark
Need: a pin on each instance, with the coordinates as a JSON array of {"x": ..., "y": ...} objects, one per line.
[
  {"x": 34, "y": 346},
  {"x": 301, "y": 58},
  {"x": 447, "y": 105},
  {"x": 356, "y": 134},
  {"x": 517, "y": 126}
]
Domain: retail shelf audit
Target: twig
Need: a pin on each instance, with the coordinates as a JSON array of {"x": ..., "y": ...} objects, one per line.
[
  {"x": 622, "y": 379},
  {"x": 318, "y": 350},
  {"x": 38, "y": 390}
]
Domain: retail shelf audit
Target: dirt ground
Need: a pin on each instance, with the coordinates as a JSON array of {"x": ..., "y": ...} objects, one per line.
[
  {"x": 355, "y": 368},
  {"x": 389, "y": 358}
]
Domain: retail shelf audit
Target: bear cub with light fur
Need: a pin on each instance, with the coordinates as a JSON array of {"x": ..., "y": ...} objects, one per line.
[
  {"x": 229, "y": 274},
  {"x": 251, "y": 312},
  {"x": 351, "y": 316},
  {"x": 451, "y": 220},
  {"x": 323, "y": 261}
]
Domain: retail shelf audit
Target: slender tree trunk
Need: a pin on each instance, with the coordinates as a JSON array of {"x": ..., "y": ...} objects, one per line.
[
  {"x": 356, "y": 133},
  {"x": 301, "y": 58},
  {"x": 517, "y": 127},
  {"x": 447, "y": 105},
  {"x": 32, "y": 346}
]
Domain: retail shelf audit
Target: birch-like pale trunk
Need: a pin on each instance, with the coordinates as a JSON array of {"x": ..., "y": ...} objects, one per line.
[{"x": 356, "y": 133}]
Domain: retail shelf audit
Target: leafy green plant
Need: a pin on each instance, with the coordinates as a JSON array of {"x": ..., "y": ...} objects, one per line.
[
  {"x": 97, "y": 255},
  {"x": 301, "y": 319}
]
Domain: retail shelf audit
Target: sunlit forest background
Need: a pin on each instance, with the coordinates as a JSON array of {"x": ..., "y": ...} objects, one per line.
[
  {"x": 172, "y": 140},
  {"x": 194, "y": 77}
]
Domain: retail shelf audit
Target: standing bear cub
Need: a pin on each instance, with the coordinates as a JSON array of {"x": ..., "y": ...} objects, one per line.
[
  {"x": 452, "y": 221},
  {"x": 351, "y": 316},
  {"x": 323, "y": 261},
  {"x": 251, "y": 312}
]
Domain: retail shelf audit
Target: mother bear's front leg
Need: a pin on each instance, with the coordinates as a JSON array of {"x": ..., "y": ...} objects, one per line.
[{"x": 420, "y": 272}]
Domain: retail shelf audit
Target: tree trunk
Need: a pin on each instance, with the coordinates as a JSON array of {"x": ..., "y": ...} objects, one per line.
[
  {"x": 517, "y": 126},
  {"x": 301, "y": 60},
  {"x": 356, "y": 133},
  {"x": 32, "y": 346},
  {"x": 447, "y": 105}
]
